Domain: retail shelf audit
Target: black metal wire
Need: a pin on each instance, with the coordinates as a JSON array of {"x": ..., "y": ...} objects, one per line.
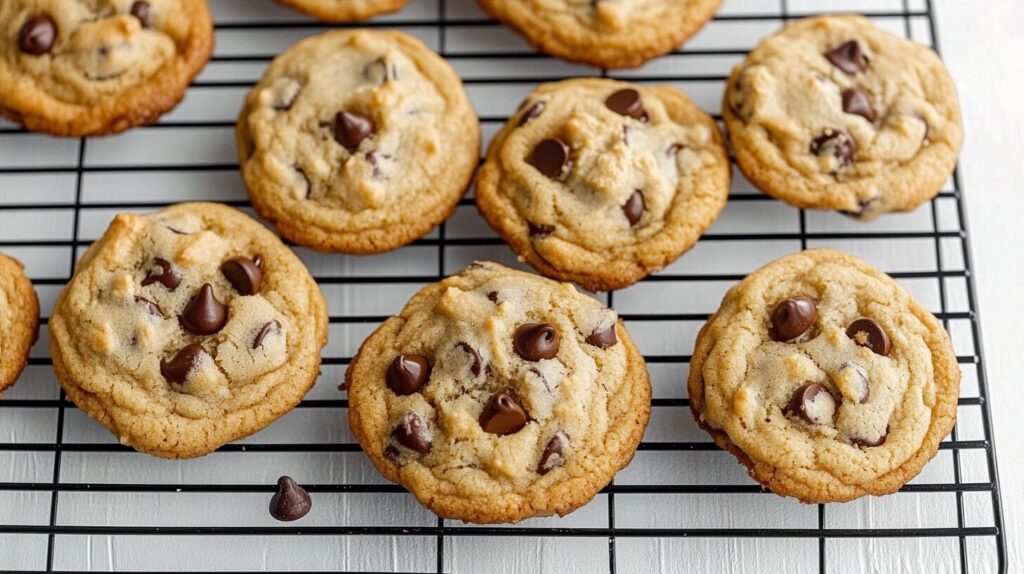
[{"x": 442, "y": 531}]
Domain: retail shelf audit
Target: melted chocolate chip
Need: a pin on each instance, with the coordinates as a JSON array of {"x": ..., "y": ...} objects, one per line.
[
  {"x": 177, "y": 369},
  {"x": 204, "y": 314},
  {"x": 848, "y": 57},
  {"x": 290, "y": 502},
  {"x": 531, "y": 113},
  {"x": 407, "y": 374},
  {"x": 603, "y": 338},
  {"x": 536, "y": 341},
  {"x": 869, "y": 333},
  {"x": 813, "y": 403},
  {"x": 166, "y": 275},
  {"x": 540, "y": 229},
  {"x": 792, "y": 317},
  {"x": 634, "y": 207},
  {"x": 474, "y": 357},
  {"x": 863, "y": 442},
  {"x": 551, "y": 157},
  {"x": 502, "y": 415},
  {"x": 143, "y": 11},
  {"x": 37, "y": 35},
  {"x": 836, "y": 142},
  {"x": 857, "y": 102},
  {"x": 151, "y": 307},
  {"x": 493, "y": 296},
  {"x": 554, "y": 453},
  {"x": 626, "y": 102},
  {"x": 411, "y": 433},
  {"x": 243, "y": 274},
  {"x": 350, "y": 129},
  {"x": 265, "y": 330}
]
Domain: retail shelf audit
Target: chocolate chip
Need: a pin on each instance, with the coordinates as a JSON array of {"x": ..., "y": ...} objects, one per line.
[
  {"x": 177, "y": 369},
  {"x": 848, "y": 57},
  {"x": 474, "y": 357},
  {"x": 166, "y": 275},
  {"x": 626, "y": 102},
  {"x": 836, "y": 142},
  {"x": 634, "y": 207},
  {"x": 863, "y": 442},
  {"x": 603, "y": 338},
  {"x": 531, "y": 113},
  {"x": 551, "y": 157},
  {"x": 554, "y": 453},
  {"x": 380, "y": 71},
  {"x": 674, "y": 149},
  {"x": 243, "y": 274},
  {"x": 265, "y": 330},
  {"x": 411, "y": 433},
  {"x": 813, "y": 403},
  {"x": 493, "y": 296},
  {"x": 407, "y": 374},
  {"x": 37, "y": 35},
  {"x": 855, "y": 382},
  {"x": 857, "y": 102},
  {"x": 143, "y": 11},
  {"x": 792, "y": 317},
  {"x": 869, "y": 333},
  {"x": 391, "y": 453},
  {"x": 290, "y": 502},
  {"x": 863, "y": 206},
  {"x": 151, "y": 307},
  {"x": 540, "y": 229},
  {"x": 502, "y": 415},
  {"x": 350, "y": 129},
  {"x": 536, "y": 341},
  {"x": 204, "y": 314}
]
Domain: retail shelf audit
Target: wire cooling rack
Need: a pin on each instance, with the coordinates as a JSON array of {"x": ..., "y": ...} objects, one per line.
[{"x": 71, "y": 498}]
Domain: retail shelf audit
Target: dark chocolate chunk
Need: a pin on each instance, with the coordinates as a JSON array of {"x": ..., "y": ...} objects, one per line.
[
  {"x": 37, "y": 35},
  {"x": 407, "y": 374},
  {"x": 634, "y": 207},
  {"x": 536, "y": 341},
  {"x": 848, "y": 57},
  {"x": 411, "y": 433},
  {"x": 869, "y": 333},
  {"x": 204, "y": 314},
  {"x": 626, "y": 102},
  {"x": 243, "y": 274},
  {"x": 165, "y": 274},
  {"x": 502, "y": 415},
  {"x": 350, "y": 129},
  {"x": 792, "y": 317},
  {"x": 857, "y": 102},
  {"x": 290, "y": 502},
  {"x": 177, "y": 369},
  {"x": 551, "y": 157}
]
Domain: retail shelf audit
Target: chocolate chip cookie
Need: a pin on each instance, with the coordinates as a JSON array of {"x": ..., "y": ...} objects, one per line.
[
  {"x": 604, "y": 33},
  {"x": 19, "y": 320},
  {"x": 187, "y": 329},
  {"x": 603, "y": 182},
  {"x": 345, "y": 10},
  {"x": 825, "y": 378},
  {"x": 82, "y": 68},
  {"x": 357, "y": 141},
  {"x": 834, "y": 113},
  {"x": 497, "y": 395}
]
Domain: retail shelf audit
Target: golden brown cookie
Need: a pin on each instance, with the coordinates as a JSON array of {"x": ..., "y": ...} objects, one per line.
[
  {"x": 83, "y": 68},
  {"x": 603, "y": 182},
  {"x": 604, "y": 33},
  {"x": 19, "y": 320},
  {"x": 345, "y": 10},
  {"x": 497, "y": 395},
  {"x": 834, "y": 113},
  {"x": 357, "y": 141},
  {"x": 187, "y": 329},
  {"x": 825, "y": 378}
]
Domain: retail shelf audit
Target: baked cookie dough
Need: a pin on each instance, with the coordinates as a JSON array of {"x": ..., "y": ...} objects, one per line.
[
  {"x": 825, "y": 378},
  {"x": 603, "y": 182},
  {"x": 497, "y": 395},
  {"x": 345, "y": 10},
  {"x": 604, "y": 33},
  {"x": 834, "y": 113},
  {"x": 186, "y": 329},
  {"x": 357, "y": 141},
  {"x": 94, "y": 67},
  {"x": 19, "y": 320}
]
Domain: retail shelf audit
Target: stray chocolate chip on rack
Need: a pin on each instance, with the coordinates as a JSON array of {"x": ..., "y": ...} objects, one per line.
[{"x": 291, "y": 502}]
